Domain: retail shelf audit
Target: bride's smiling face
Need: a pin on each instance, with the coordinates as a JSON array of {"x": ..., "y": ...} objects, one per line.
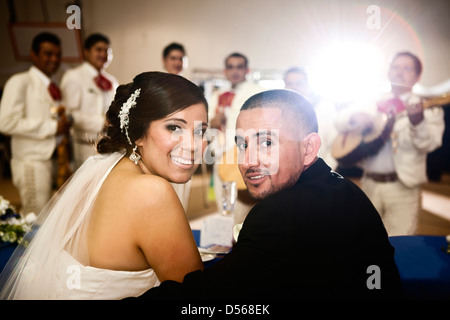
[{"x": 173, "y": 146}]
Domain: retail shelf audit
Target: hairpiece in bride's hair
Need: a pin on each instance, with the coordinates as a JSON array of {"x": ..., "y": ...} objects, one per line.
[{"x": 125, "y": 112}]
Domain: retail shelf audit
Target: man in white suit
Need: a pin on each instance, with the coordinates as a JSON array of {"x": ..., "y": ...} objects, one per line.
[
  {"x": 28, "y": 114},
  {"x": 174, "y": 58},
  {"x": 88, "y": 91},
  {"x": 225, "y": 106},
  {"x": 393, "y": 176}
]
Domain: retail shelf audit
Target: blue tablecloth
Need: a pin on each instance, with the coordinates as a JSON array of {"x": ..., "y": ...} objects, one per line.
[
  {"x": 6, "y": 251},
  {"x": 209, "y": 263},
  {"x": 196, "y": 234},
  {"x": 424, "y": 266}
]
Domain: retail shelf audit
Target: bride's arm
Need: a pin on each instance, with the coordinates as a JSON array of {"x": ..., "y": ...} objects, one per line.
[{"x": 162, "y": 231}]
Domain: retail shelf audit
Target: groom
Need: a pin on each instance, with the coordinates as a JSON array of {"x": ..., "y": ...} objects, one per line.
[{"x": 313, "y": 233}]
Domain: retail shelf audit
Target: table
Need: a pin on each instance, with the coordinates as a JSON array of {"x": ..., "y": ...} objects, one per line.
[
  {"x": 423, "y": 265},
  {"x": 209, "y": 263},
  {"x": 196, "y": 234},
  {"x": 6, "y": 250}
]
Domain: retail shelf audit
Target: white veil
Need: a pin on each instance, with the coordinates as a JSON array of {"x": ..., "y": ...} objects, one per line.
[{"x": 32, "y": 271}]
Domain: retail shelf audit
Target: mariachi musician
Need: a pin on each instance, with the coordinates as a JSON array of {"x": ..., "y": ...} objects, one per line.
[
  {"x": 394, "y": 163},
  {"x": 88, "y": 91},
  {"x": 29, "y": 98}
]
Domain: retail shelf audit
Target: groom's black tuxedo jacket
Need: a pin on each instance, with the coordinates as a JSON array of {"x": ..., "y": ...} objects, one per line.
[{"x": 317, "y": 239}]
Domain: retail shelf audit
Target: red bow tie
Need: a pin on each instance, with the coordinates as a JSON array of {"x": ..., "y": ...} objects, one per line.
[
  {"x": 394, "y": 106},
  {"x": 226, "y": 98},
  {"x": 54, "y": 91},
  {"x": 103, "y": 83}
]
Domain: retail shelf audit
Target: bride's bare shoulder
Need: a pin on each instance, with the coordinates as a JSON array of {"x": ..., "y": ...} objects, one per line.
[
  {"x": 146, "y": 191},
  {"x": 146, "y": 183},
  {"x": 130, "y": 188}
]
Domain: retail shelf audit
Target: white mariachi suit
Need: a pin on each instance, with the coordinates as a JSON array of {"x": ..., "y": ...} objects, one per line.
[
  {"x": 87, "y": 104},
  {"x": 242, "y": 92},
  {"x": 405, "y": 154},
  {"x": 26, "y": 115}
]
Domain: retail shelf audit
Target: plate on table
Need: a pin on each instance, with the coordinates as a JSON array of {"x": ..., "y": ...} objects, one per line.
[
  {"x": 207, "y": 256},
  {"x": 215, "y": 249}
]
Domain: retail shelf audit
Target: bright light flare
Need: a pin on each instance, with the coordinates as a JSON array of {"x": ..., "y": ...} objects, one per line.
[{"x": 345, "y": 72}]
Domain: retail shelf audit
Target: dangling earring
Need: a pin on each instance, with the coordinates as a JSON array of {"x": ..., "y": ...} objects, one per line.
[{"x": 135, "y": 157}]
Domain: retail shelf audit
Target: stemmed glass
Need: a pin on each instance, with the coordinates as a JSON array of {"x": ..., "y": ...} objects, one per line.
[{"x": 229, "y": 195}]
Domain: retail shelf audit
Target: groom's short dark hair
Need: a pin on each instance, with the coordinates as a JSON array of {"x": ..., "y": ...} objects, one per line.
[{"x": 290, "y": 102}]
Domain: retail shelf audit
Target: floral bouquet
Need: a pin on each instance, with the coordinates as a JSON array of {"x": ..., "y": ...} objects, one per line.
[{"x": 12, "y": 226}]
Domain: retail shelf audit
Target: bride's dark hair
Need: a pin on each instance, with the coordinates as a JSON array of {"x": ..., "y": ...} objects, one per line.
[{"x": 162, "y": 94}]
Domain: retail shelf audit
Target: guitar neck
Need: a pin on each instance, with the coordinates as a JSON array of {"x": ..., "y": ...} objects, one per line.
[{"x": 435, "y": 102}]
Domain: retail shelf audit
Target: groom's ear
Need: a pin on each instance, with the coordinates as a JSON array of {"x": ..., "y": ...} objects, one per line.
[{"x": 311, "y": 146}]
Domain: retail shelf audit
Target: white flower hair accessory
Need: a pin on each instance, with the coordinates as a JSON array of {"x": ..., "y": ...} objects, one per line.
[{"x": 125, "y": 112}]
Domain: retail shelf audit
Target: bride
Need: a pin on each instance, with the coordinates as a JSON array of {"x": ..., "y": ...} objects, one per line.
[{"x": 117, "y": 228}]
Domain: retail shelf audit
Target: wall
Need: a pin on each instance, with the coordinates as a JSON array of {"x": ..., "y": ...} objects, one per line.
[{"x": 275, "y": 34}]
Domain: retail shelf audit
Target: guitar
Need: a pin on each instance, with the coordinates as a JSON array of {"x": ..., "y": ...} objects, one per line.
[{"x": 352, "y": 146}]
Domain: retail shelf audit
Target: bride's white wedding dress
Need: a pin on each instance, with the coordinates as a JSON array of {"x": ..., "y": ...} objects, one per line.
[
  {"x": 52, "y": 261},
  {"x": 88, "y": 283}
]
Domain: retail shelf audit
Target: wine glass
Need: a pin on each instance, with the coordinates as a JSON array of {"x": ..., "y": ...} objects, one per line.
[{"x": 229, "y": 195}]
